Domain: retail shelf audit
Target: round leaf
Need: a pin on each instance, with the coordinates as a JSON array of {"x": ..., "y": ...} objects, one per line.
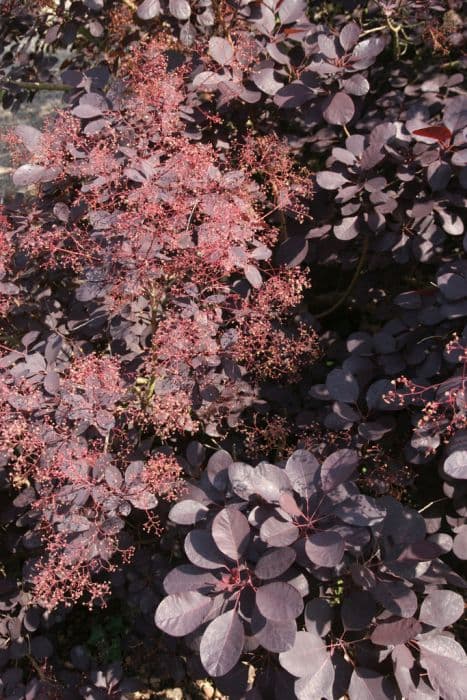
[
  {"x": 275, "y": 562},
  {"x": 325, "y": 548},
  {"x": 340, "y": 109},
  {"x": 279, "y": 601},
  {"x": 182, "y": 613},
  {"x": 222, "y": 644},
  {"x": 307, "y": 654},
  {"x": 441, "y": 608},
  {"x": 231, "y": 532}
]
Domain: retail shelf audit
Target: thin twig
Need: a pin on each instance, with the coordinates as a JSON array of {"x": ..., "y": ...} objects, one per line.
[
  {"x": 432, "y": 503},
  {"x": 25, "y": 85},
  {"x": 353, "y": 281}
]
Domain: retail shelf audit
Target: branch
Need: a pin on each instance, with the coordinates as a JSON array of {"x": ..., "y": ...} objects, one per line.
[
  {"x": 33, "y": 86},
  {"x": 353, "y": 281}
]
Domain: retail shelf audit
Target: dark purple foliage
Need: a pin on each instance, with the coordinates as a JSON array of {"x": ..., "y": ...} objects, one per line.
[{"x": 322, "y": 430}]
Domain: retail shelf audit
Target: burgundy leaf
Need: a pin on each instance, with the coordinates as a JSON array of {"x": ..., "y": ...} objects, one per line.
[
  {"x": 348, "y": 36},
  {"x": 30, "y": 174},
  {"x": 220, "y": 50},
  {"x": 231, "y": 532},
  {"x": 366, "y": 684},
  {"x": 325, "y": 548},
  {"x": 358, "y": 610},
  {"x": 437, "y": 133},
  {"x": 187, "y": 512},
  {"x": 278, "y": 533},
  {"x": 222, "y": 644},
  {"x": 149, "y": 9},
  {"x": 308, "y": 654},
  {"x": 279, "y": 601},
  {"x": 329, "y": 180},
  {"x": 188, "y": 577},
  {"x": 302, "y": 468},
  {"x": 393, "y": 632},
  {"x": 337, "y": 468},
  {"x": 275, "y": 636},
  {"x": 201, "y": 550},
  {"x": 446, "y": 664},
  {"x": 318, "y": 616},
  {"x": 275, "y": 562},
  {"x": 318, "y": 682},
  {"x": 340, "y": 109},
  {"x": 182, "y": 613},
  {"x": 441, "y": 608}
]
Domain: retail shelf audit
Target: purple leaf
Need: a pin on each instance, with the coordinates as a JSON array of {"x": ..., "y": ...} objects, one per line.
[
  {"x": 302, "y": 468},
  {"x": 438, "y": 175},
  {"x": 358, "y": 610},
  {"x": 279, "y": 601},
  {"x": 52, "y": 382},
  {"x": 267, "y": 79},
  {"x": 149, "y": 9},
  {"x": 348, "y": 36},
  {"x": 329, "y": 180},
  {"x": 347, "y": 230},
  {"x": 318, "y": 616},
  {"x": 180, "y": 9},
  {"x": 365, "y": 52},
  {"x": 220, "y": 50},
  {"x": 396, "y": 597},
  {"x": 231, "y": 532},
  {"x": 182, "y": 613},
  {"x": 342, "y": 386},
  {"x": 327, "y": 46},
  {"x": 366, "y": 684},
  {"x": 308, "y": 654},
  {"x": 459, "y": 546},
  {"x": 201, "y": 550},
  {"x": 188, "y": 577},
  {"x": 455, "y": 114},
  {"x": 455, "y": 465},
  {"x": 356, "y": 85},
  {"x": 30, "y": 136},
  {"x": 253, "y": 276},
  {"x": 29, "y": 174},
  {"x": 273, "y": 635},
  {"x": 275, "y": 562},
  {"x": 319, "y": 682},
  {"x": 441, "y": 608},
  {"x": 188, "y": 512},
  {"x": 195, "y": 453},
  {"x": 113, "y": 476},
  {"x": 41, "y": 647},
  {"x": 293, "y": 251},
  {"x": 446, "y": 665},
  {"x": 420, "y": 551},
  {"x": 340, "y": 109},
  {"x": 360, "y": 510},
  {"x": 459, "y": 158},
  {"x": 142, "y": 499},
  {"x": 222, "y": 644},
  {"x": 217, "y": 470},
  {"x": 325, "y": 548},
  {"x": 290, "y": 10},
  {"x": 393, "y": 632},
  {"x": 278, "y": 533},
  {"x": 337, "y": 468}
]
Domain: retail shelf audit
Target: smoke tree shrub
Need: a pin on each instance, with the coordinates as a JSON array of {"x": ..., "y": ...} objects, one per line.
[
  {"x": 273, "y": 545},
  {"x": 212, "y": 160}
]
